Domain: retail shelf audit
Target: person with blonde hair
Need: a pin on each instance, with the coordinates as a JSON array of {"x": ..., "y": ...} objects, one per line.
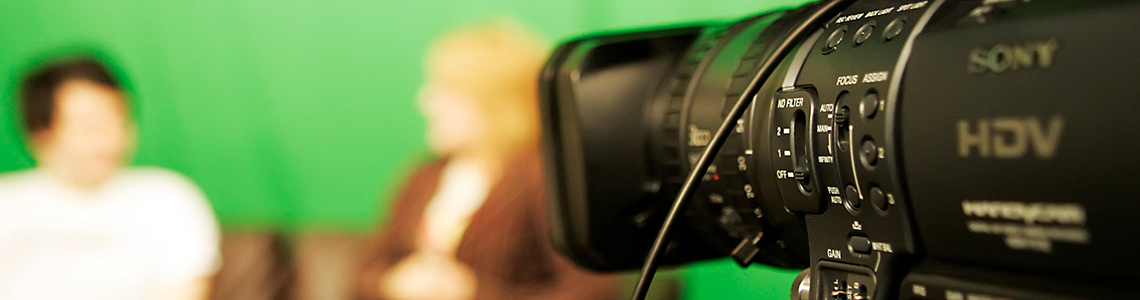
[{"x": 472, "y": 224}]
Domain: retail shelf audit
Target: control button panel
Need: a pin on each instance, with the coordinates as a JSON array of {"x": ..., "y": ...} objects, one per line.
[{"x": 860, "y": 232}]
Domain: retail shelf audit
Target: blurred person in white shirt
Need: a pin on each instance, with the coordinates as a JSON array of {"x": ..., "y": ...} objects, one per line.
[{"x": 81, "y": 225}]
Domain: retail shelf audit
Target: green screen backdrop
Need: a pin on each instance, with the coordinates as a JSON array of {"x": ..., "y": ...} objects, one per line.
[{"x": 299, "y": 115}]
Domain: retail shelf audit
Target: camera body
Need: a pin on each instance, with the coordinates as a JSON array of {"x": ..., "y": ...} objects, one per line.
[{"x": 906, "y": 150}]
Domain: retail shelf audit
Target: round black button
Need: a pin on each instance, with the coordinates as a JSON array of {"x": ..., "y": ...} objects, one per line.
[
  {"x": 870, "y": 153},
  {"x": 878, "y": 199},
  {"x": 870, "y": 105},
  {"x": 853, "y": 199},
  {"x": 835, "y": 38},
  {"x": 894, "y": 28},
  {"x": 864, "y": 33}
]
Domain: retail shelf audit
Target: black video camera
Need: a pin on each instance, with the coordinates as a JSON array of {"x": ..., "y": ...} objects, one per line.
[{"x": 959, "y": 150}]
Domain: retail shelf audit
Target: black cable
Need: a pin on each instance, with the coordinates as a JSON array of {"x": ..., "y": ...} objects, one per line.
[{"x": 796, "y": 36}]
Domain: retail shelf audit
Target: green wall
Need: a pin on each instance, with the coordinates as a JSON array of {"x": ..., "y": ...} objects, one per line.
[{"x": 299, "y": 115}]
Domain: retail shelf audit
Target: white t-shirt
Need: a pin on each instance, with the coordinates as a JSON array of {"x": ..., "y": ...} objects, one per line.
[{"x": 145, "y": 230}]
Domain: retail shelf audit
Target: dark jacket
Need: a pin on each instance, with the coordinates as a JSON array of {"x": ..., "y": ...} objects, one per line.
[{"x": 506, "y": 245}]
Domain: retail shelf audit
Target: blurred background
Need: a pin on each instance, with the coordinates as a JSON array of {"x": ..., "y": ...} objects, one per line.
[{"x": 297, "y": 118}]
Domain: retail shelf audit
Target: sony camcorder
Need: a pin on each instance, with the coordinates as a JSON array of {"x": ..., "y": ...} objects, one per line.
[{"x": 958, "y": 150}]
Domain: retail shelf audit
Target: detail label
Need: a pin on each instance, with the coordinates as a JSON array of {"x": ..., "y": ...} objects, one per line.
[
  {"x": 916, "y": 5},
  {"x": 918, "y": 290},
  {"x": 849, "y": 18},
  {"x": 699, "y": 137},
  {"x": 880, "y": 12},
  {"x": 1028, "y": 226},
  {"x": 847, "y": 80},
  {"x": 882, "y": 247},
  {"x": 834, "y": 254},
  {"x": 875, "y": 77},
  {"x": 790, "y": 102}
]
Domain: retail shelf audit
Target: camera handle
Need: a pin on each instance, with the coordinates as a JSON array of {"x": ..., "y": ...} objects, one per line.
[{"x": 793, "y": 39}]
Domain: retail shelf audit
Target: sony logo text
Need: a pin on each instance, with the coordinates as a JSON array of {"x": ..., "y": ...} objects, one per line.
[{"x": 1003, "y": 58}]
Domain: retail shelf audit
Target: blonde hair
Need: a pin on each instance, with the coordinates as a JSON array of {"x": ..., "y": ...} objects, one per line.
[{"x": 496, "y": 63}]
